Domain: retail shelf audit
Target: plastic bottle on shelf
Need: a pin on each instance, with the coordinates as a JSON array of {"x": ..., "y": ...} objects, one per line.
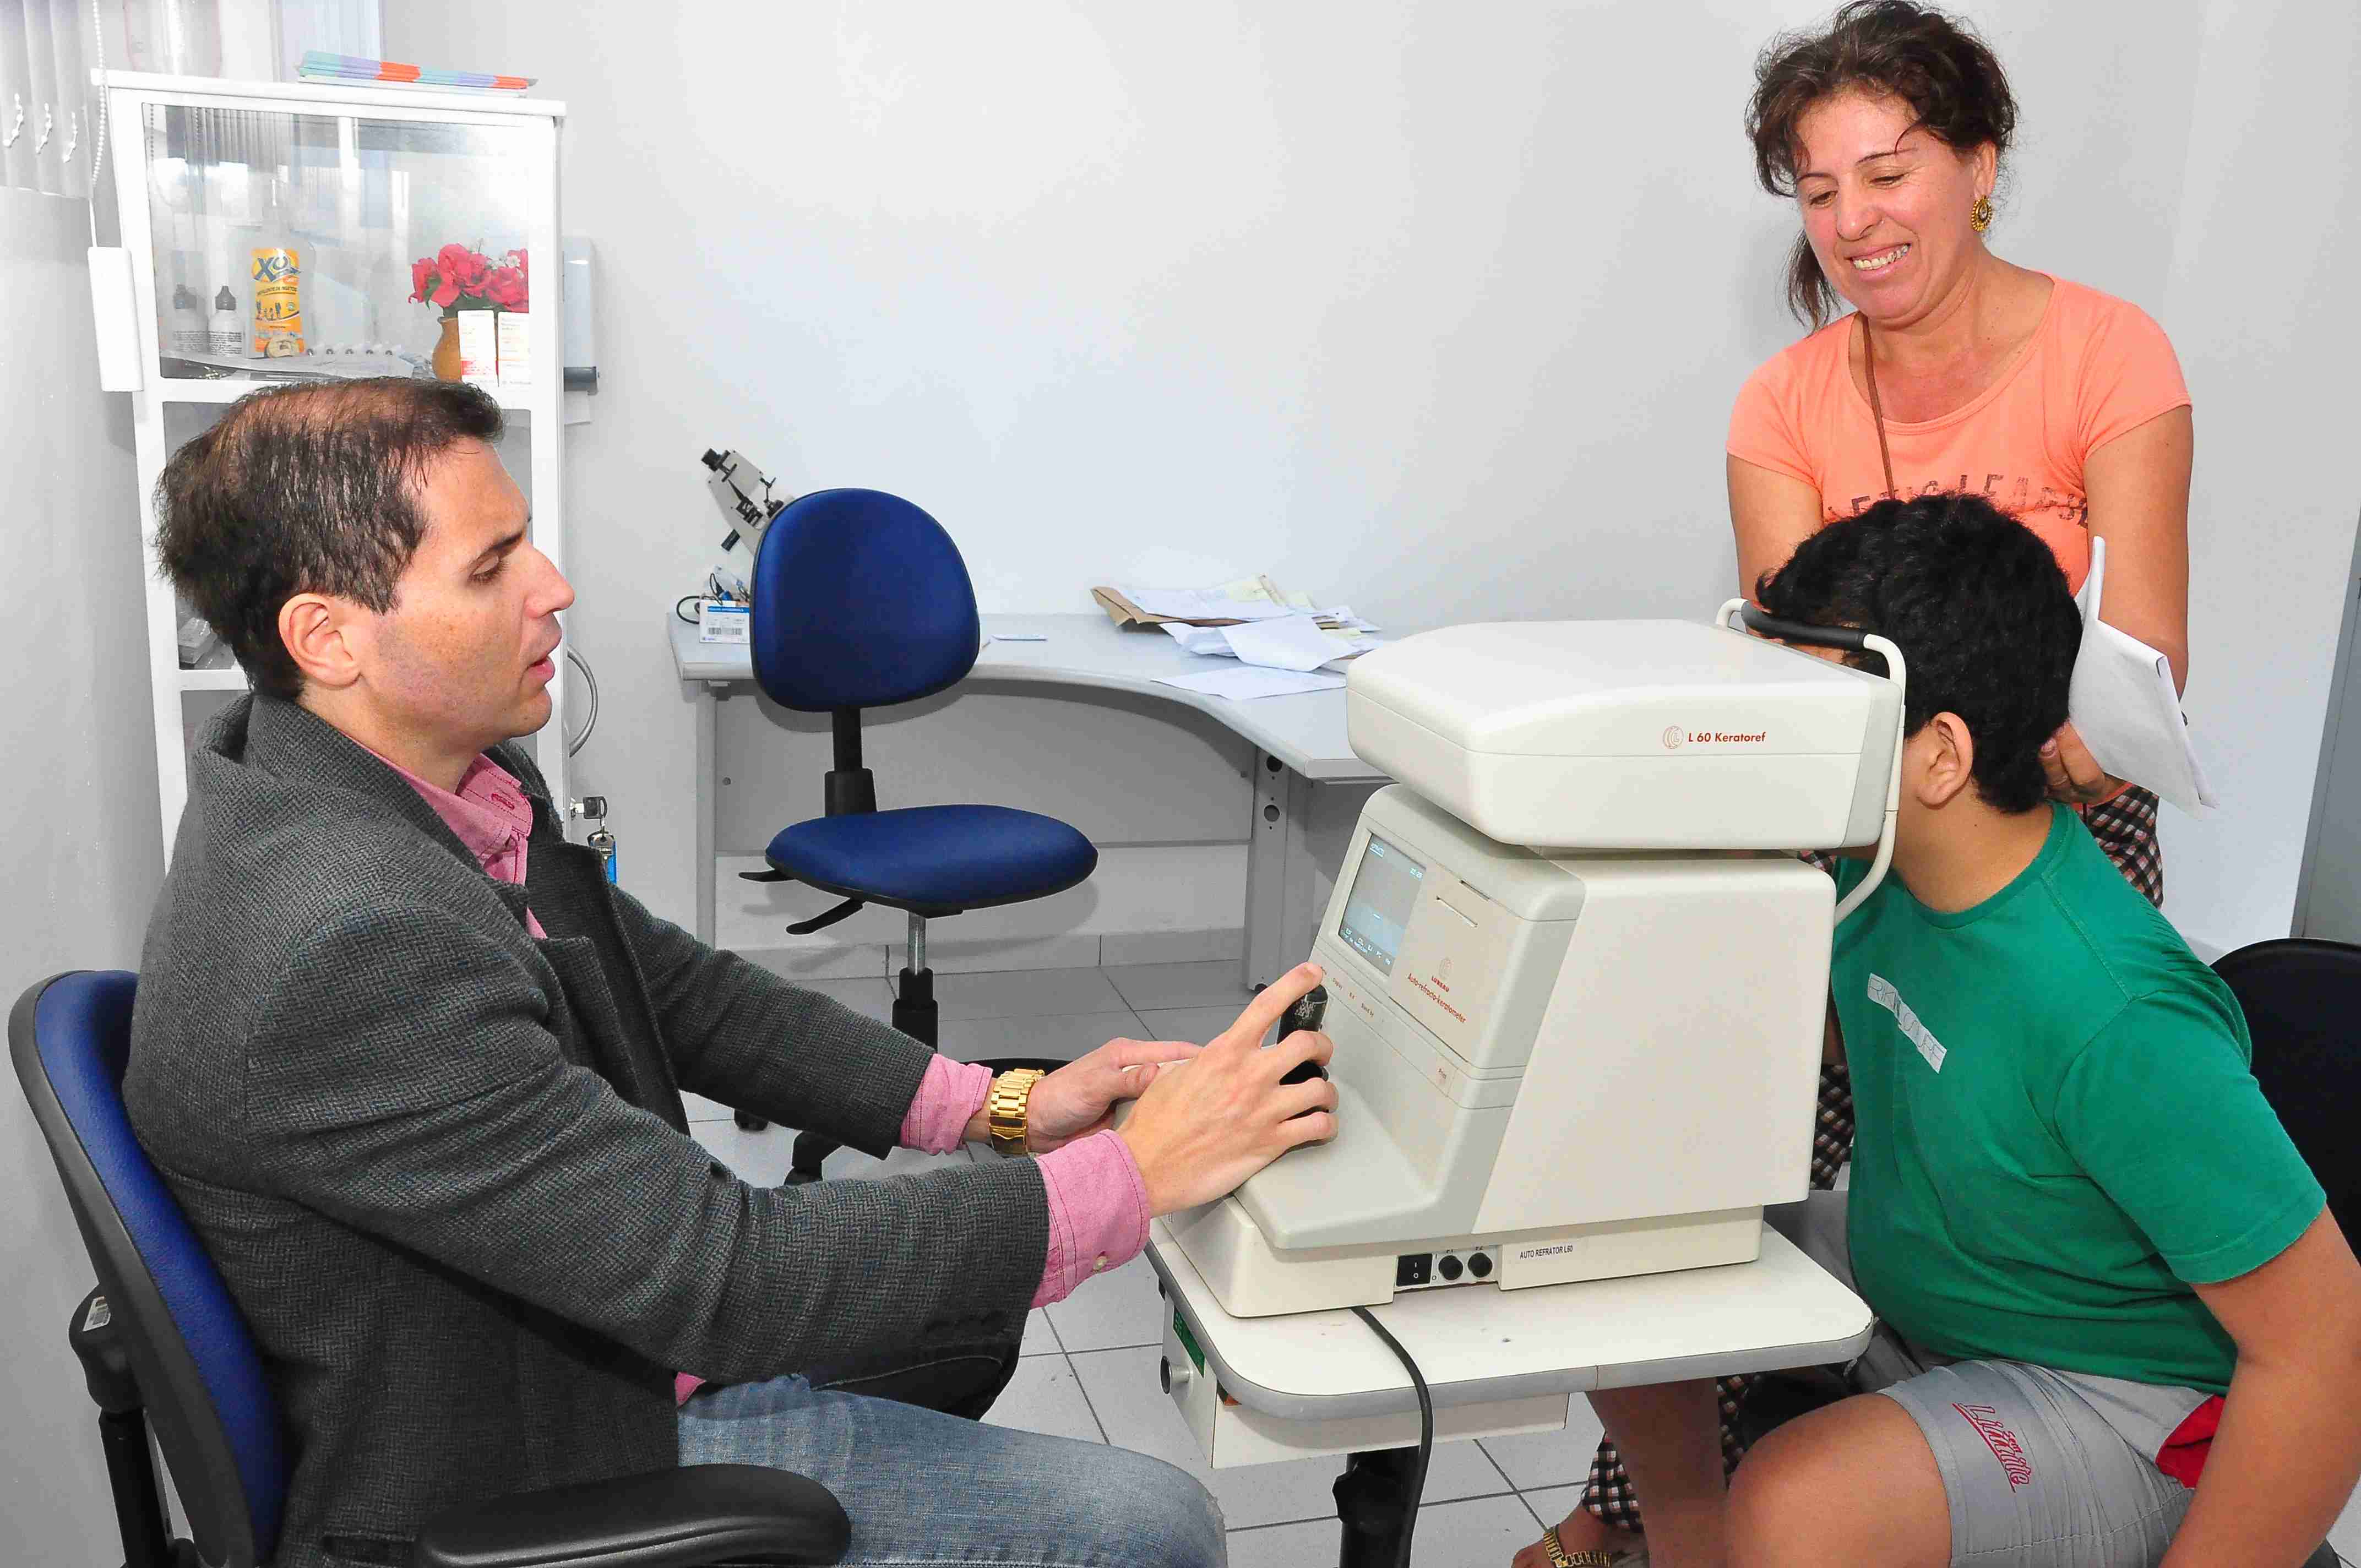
[
  {"x": 228, "y": 333},
  {"x": 190, "y": 334}
]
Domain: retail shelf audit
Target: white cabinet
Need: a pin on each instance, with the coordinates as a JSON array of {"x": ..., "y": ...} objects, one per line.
[{"x": 359, "y": 184}]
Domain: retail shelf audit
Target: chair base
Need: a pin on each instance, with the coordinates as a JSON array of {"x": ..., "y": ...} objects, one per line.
[{"x": 914, "y": 1015}]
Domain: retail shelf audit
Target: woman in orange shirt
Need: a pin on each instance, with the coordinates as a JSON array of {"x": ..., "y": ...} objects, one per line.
[{"x": 1955, "y": 370}]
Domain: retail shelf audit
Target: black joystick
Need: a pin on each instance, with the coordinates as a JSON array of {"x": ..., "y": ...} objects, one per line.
[{"x": 1305, "y": 1012}]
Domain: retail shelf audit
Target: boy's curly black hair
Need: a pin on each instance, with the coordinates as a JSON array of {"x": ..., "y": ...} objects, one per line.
[{"x": 1979, "y": 609}]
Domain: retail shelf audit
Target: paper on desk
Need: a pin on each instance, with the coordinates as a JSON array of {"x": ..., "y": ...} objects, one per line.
[
  {"x": 1205, "y": 640},
  {"x": 2122, "y": 704},
  {"x": 1294, "y": 643},
  {"x": 1204, "y": 604},
  {"x": 1242, "y": 682}
]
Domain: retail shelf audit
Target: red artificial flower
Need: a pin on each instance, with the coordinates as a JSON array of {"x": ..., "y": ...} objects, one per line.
[
  {"x": 420, "y": 271},
  {"x": 506, "y": 287}
]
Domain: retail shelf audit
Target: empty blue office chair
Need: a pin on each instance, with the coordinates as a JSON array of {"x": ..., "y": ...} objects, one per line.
[
  {"x": 160, "y": 1337},
  {"x": 861, "y": 600}
]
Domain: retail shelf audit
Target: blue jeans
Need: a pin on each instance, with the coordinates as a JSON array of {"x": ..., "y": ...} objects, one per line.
[{"x": 924, "y": 1487}]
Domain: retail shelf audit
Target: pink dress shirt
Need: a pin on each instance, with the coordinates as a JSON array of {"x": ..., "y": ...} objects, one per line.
[{"x": 1098, "y": 1204}]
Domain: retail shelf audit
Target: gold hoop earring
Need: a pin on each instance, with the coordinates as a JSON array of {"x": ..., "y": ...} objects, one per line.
[{"x": 1980, "y": 215}]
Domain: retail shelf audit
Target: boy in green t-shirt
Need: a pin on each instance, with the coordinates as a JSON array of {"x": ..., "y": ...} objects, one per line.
[{"x": 2117, "y": 1324}]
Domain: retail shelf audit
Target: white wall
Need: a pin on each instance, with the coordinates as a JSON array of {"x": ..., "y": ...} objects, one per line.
[
  {"x": 2263, "y": 311},
  {"x": 82, "y": 856},
  {"x": 1433, "y": 308}
]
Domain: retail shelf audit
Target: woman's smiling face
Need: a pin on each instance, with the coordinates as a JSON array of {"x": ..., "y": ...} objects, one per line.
[{"x": 1885, "y": 203}]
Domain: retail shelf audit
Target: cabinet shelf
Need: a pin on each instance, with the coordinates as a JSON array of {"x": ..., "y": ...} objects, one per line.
[{"x": 173, "y": 389}]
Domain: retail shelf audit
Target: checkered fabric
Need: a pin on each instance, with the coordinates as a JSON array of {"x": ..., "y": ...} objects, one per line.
[{"x": 2126, "y": 829}]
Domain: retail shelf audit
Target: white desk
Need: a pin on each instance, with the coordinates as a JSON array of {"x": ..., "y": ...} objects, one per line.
[
  {"x": 1496, "y": 1362},
  {"x": 1299, "y": 741}
]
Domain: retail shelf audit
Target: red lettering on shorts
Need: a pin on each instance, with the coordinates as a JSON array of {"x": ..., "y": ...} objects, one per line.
[{"x": 2001, "y": 1442}]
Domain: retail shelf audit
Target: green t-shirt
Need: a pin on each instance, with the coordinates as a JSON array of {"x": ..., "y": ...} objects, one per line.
[{"x": 2058, "y": 1132}]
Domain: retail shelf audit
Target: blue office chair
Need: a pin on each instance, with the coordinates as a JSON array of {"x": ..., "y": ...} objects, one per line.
[
  {"x": 861, "y": 600},
  {"x": 160, "y": 1337}
]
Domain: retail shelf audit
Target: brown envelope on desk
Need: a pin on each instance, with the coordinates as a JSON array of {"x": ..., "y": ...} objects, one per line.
[{"x": 1131, "y": 618}]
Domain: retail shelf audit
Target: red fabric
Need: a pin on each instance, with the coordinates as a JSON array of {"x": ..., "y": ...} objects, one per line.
[{"x": 2184, "y": 1454}]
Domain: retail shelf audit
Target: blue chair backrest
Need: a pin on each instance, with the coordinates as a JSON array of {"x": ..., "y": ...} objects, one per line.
[
  {"x": 195, "y": 1360},
  {"x": 860, "y": 599}
]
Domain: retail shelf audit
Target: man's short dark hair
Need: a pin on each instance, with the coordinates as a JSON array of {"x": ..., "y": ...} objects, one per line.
[
  {"x": 1976, "y": 603},
  {"x": 311, "y": 489}
]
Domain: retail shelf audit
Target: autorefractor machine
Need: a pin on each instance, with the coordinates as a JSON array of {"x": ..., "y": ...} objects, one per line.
[{"x": 1576, "y": 977}]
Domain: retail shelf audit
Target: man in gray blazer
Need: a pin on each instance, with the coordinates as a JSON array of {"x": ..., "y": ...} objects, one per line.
[{"x": 414, "y": 1067}]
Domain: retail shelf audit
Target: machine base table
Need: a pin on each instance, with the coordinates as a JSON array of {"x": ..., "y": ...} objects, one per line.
[{"x": 1256, "y": 1390}]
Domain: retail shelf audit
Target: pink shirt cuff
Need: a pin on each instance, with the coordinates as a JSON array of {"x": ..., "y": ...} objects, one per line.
[
  {"x": 947, "y": 1098},
  {"x": 1098, "y": 1213}
]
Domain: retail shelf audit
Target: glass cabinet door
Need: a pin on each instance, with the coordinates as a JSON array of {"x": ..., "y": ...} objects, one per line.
[{"x": 293, "y": 245}]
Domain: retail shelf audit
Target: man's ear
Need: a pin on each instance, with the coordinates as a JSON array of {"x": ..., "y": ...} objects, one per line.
[
  {"x": 1946, "y": 760},
  {"x": 326, "y": 637}
]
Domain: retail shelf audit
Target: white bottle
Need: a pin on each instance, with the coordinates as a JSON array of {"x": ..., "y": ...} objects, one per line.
[{"x": 229, "y": 332}]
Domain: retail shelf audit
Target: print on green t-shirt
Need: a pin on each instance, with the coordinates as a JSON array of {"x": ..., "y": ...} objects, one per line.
[{"x": 2058, "y": 1132}]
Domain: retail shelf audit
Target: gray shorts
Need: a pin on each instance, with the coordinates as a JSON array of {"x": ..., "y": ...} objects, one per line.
[{"x": 2041, "y": 1468}]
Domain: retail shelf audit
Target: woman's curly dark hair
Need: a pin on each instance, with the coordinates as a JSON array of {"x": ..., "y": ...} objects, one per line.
[
  {"x": 1976, "y": 603},
  {"x": 1949, "y": 76}
]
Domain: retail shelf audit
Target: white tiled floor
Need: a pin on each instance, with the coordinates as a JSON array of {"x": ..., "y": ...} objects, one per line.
[{"x": 1089, "y": 1364}]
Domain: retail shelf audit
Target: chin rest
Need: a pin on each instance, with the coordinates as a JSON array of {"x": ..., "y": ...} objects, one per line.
[{"x": 690, "y": 1517}]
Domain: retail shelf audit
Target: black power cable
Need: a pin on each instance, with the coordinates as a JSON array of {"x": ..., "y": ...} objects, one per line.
[
  {"x": 1308, "y": 1012},
  {"x": 1426, "y": 1429}
]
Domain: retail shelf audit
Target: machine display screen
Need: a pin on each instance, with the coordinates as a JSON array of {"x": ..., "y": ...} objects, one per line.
[{"x": 1385, "y": 890}]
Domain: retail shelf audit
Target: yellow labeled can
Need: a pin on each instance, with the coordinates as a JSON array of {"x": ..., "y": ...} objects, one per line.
[{"x": 278, "y": 302}]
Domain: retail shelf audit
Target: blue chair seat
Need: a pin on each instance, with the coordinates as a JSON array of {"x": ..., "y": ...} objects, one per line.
[{"x": 935, "y": 859}]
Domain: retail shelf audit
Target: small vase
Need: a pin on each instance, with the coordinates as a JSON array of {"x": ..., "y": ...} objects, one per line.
[{"x": 447, "y": 351}]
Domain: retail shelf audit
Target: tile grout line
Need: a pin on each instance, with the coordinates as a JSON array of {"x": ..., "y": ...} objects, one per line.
[
  {"x": 1084, "y": 1389},
  {"x": 1502, "y": 1471}
]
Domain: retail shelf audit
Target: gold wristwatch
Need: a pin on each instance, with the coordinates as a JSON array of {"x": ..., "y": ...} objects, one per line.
[{"x": 1003, "y": 1108}]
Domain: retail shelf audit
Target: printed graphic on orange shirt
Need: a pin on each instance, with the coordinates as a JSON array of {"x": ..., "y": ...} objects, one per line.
[{"x": 2016, "y": 496}]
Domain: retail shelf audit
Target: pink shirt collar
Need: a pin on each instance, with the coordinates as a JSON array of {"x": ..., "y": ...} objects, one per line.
[{"x": 490, "y": 815}]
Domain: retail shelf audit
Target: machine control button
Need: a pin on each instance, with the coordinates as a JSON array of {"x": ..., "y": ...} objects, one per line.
[
  {"x": 1480, "y": 1264},
  {"x": 1449, "y": 1267},
  {"x": 1413, "y": 1269}
]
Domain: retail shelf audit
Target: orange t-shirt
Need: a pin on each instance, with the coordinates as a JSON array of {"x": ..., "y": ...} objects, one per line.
[{"x": 2096, "y": 367}]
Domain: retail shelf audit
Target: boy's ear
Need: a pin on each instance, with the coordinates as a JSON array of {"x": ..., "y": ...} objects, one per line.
[{"x": 1945, "y": 763}]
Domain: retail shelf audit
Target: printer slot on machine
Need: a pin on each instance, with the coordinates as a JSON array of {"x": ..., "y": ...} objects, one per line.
[{"x": 1576, "y": 977}]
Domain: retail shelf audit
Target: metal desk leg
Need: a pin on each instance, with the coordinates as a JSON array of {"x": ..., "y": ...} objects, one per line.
[
  {"x": 708, "y": 791},
  {"x": 1372, "y": 1504},
  {"x": 1279, "y": 873}
]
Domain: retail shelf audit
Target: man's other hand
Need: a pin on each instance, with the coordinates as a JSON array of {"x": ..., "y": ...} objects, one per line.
[
  {"x": 1079, "y": 1099},
  {"x": 1197, "y": 1133}
]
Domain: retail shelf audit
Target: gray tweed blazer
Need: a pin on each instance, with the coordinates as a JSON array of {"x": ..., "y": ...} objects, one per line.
[{"x": 444, "y": 1169}]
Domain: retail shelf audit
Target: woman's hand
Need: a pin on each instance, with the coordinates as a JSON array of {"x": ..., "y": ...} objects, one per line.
[{"x": 2075, "y": 776}]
